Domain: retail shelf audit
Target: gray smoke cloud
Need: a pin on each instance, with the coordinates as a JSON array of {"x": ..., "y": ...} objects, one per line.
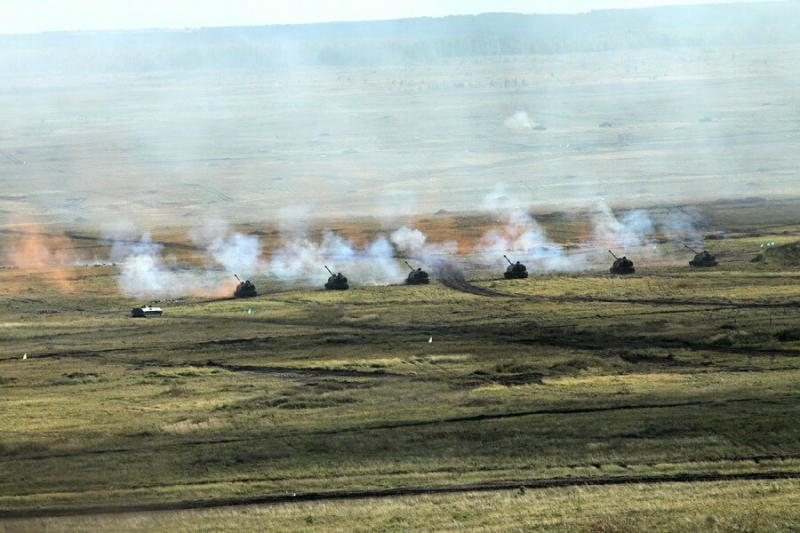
[
  {"x": 630, "y": 235},
  {"x": 682, "y": 226},
  {"x": 639, "y": 232}
]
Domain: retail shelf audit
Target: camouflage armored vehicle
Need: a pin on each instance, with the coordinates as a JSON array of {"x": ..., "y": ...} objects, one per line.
[
  {"x": 336, "y": 282},
  {"x": 417, "y": 277},
  {"x": 244, "y": 289},
  {"x": 515, "y": 270},
  {"x": 146, "y": 311},
  {"x": 702, "y": 259},
  {"x": 622, "y": 265}
]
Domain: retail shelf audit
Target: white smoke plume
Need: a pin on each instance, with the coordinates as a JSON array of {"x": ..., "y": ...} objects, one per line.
[
  {"x": 123, "y": 236},
  {"x": 681, "y": 226},
  {"x": 146, "y": 272},
  {"x": 413, "y": 243},
  {"x": 520, "y": 238},
  {"x": 634, "y": 229},
  {"x": 294, "y": 220},
  {"x": 301, "y": 258},
  {"x": 236, "y": 253},
  {"x": 519, "y": 121},
  {"x": 408, "y": 240}
]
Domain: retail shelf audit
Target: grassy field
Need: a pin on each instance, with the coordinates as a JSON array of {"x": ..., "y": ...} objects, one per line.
[
  {"x": 668, "y": 507},
  {"x": 572, "y": 400},
  {"x": 583, "y": 379}
]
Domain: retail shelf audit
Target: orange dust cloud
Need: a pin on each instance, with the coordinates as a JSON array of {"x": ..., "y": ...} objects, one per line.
[
  {"x": 226, "y": 288},
  {"x": 50, "y": 255}
]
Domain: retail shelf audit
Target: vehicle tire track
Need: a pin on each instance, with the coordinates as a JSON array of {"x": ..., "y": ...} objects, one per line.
[
  {"x": 345, "y": 495},
  {"x": 452, "y": 278}
]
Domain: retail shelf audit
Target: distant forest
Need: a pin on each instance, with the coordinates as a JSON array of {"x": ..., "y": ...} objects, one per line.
[{"x": 400, "y": 42}]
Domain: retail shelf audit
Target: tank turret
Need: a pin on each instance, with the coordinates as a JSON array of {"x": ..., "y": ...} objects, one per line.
[
  {"x": 701, "y": 259},
  {"x": 244, "y": 289},
  {"x": 622, "y": 265},
  {"x": 515, "y": 270},
  {"x": 336, "y": 282},
  {"x": 417, "y": 277}
]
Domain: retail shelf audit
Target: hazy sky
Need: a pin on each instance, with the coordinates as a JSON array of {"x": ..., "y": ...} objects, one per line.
[{"x": 30, "y": 16}]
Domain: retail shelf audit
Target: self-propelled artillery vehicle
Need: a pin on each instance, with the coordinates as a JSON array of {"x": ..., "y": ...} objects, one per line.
[
  {"x": 244, "y": 289},
  {"x": 702, "y": 259},
  {"x": 417, "y": 277},
  {"x": 336, "y": 282},
  {"x": 515, "y": 270},
  {"x": 622, "y": 265}
]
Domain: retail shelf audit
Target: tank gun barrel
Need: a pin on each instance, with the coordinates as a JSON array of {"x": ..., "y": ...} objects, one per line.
[
  {"x": 237, "y": 278},
  {"x": 409, "y": 266},
  {"x": 329, "y": 270},
  {"x": 690, "y": 248},
  {"x": 612, "y": 254},
  {"x": 509, "y": 260}
]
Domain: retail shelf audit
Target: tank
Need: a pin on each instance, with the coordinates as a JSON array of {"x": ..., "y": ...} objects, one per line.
[
  {"x": 244, "y": 289},
  {"x": 336, "y": 282},
  {"x": 146, "y": 311},
  {"x": 702, "y": 259},
  {"x": 515, "y": 270},
  {"x": 417, "y": 277},
  {"x": 622, "y": 265}
]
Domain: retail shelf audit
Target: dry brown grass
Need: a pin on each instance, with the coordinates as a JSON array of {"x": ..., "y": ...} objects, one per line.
[
  {"x": 562, "y": 376},
  {"x": 668, "y": 372}
]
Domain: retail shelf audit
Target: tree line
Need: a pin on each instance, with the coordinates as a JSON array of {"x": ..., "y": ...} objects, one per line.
[{"x": 402, "y": 42}]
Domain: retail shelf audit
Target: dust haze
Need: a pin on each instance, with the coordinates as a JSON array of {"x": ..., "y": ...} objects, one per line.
[{"x": 510, "y": 115}]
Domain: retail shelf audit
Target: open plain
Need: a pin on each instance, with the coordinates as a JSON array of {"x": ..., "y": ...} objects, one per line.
[
  {"x": 672, "y": 375},
  {"x": 572, "y": 400}
]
